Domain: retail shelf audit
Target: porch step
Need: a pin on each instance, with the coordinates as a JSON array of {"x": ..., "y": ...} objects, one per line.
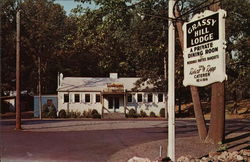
[{"x": 114, "y": 115}]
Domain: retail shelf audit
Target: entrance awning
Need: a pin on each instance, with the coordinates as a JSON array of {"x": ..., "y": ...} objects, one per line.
[{"x": 114, "y": 89}]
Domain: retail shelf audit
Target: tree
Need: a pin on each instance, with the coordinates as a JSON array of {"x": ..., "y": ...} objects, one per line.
[
  {"x": 125, "y": 42},
  {"x": 201, "y": 125},
  {"x": 124, "y": 36},
  {"x": 216, "y": 129},
  {"x": 238, "y": 34},
  {"x": 42, "y": 30},
  {"x": 8, "y": 35}
]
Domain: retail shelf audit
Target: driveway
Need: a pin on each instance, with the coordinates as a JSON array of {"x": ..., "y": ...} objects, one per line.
[{"x": 88, "y": 140}]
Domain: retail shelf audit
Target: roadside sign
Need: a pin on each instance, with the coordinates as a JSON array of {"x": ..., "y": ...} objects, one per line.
[{"x": 204, "y": 49}]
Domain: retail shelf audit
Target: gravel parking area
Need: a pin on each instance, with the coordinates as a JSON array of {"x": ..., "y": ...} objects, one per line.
[
  {"x": 107, "y": 140},
  {"x": 58, "y": 125},
  {"x": 185, "y": 146}
]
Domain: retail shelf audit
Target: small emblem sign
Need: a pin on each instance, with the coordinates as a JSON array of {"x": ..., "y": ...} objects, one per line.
[{"x": 204, "y": 49}]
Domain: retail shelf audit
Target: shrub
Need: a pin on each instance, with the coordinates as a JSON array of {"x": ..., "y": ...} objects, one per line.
[
  {"x": 152, "y": 114},
  {"x": 191, "y": 111},
  {"x": 95, "y": 114},
  {"x": 87, "y": 114},
  {"x": 94, "y": 111},
  {"x": 162, "y": 112},
  {"x": 45, "y": 108},
  {"x": 62, "y": 114},
  {"x": 44, "y": 114},
  {"x": 132, "y": 114},
  {"x": 5, "y": 107},
  {"x": 45, "y": 111},
  {"x": 52, "y": 113},
  {"x": 49, "y": 111},
  {"x": 143, "y": 114},
  {"x": 71, "y": 114},
  {"x": 222, "y": 147},
  {"x": 78, "y": 114}
]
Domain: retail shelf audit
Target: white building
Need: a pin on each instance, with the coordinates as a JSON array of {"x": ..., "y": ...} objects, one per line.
[{"x": 107, "y": 95}]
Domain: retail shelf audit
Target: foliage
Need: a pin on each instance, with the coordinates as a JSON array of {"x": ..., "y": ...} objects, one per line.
[
  {"x": 74, "y": 114},
  {"x": 162, "y": 112},
  {"x": 95, "y": 114},
  {"x": 42, "y": 29},
  {"x": 238, "y": 50},
  {"x": 78, "y": 114},
  {"x": 71, "y": 114},
  {"x": 124, "y": 36},
  {"x": 5, "y": 107},
  {"x": 49, "y": 111},
  {"x": 152, "y": 114},
  {"x": 45, "y": 111},
  {"x": 126, "y": 43},
  {"x": 222, "y": 147},
  {"x": 7, "y": 16},
  {"x": 87, "y": 114},
  {"x": 166, "y": 159},
  {"x": 143, "y": 114},
  {"x": 62, "y": 114},
  {"x": 52, "y": 113},
  {"x": 132, "y": 114}
]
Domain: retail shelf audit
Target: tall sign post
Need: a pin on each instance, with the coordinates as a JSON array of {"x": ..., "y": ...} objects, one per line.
[
  {"x": 18, "y": 109},
  {"x": 204, "y": 49},
  {"x": 171, "y": 84}
]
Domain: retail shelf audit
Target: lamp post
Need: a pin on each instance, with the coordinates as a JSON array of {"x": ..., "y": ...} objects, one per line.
[{"x": 171, "y": 84}]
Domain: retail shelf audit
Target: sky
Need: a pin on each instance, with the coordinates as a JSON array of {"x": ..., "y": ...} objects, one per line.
[{"x": 70, "y": 4}]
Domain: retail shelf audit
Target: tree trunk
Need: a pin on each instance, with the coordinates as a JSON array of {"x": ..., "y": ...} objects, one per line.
[
  {"x": 201, "y": 124},
  {"x": 216, "y": 133},
  {"x": 235, "y": 105},
  {"x": 179, "y": 101}
]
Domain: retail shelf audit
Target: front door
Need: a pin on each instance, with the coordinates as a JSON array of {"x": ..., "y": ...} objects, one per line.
[{"x": 113, "y": 103}]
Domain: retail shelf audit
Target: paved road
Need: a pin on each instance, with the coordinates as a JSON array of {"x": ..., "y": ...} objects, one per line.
[{"x": 88, "y": 140}]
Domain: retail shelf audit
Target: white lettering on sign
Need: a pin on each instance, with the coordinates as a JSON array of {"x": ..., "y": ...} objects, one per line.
[
  {"x": 204, "y": 49},
  {"x": 202, "y": 39},
  {"x": 204, "y": 22}
]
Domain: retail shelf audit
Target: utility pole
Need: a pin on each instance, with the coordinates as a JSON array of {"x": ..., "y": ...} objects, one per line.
[
  {"x": 39, "y": 87},
  {"x": 171, "y": 82},
  {"x": 18, "y": 109}
]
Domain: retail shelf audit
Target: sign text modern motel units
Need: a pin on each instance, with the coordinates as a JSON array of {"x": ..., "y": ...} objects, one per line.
[{"x": 204, "y": 49}]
